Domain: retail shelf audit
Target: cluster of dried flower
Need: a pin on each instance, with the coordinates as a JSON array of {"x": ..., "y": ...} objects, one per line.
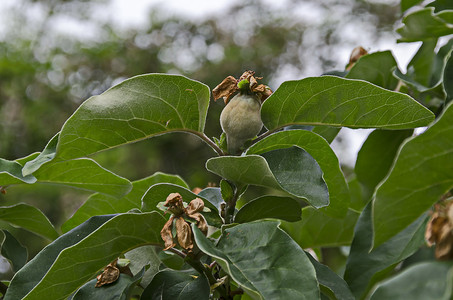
[
  {"x": 184, "y": 234},
  {"x": 229, "y": 86},
  {"x": 439, "y": 230}
]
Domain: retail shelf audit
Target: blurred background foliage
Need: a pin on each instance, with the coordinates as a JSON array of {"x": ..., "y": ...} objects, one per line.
[{"x": 56, "y": 54}]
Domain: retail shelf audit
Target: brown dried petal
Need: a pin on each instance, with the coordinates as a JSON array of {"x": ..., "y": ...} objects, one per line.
[
  {"x": 201, "y": 222},
  {"x": 110, "y": 274},
  {"x": 184, "y": 234},
  {"x": 166, "y": 235},
  {"x": 225, "y": 89},
  {"x": 434, "y": 227},
  {"x": 246, "y": 75},
  {"x": 196, "y": 205},
  {"x": 356, "y": 53},
  {"x": 173, "y": 199},
  {"x": 196, "y": 190},
  {"x": 445, "y": 244}
]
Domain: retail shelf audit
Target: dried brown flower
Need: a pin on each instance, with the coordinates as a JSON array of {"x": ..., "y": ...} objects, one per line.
[
  {"x": 439, "y": 230},
  {"x": 229, "y": 86},
  {"x": 184, "y": 233},
  {"x": 109, "y": 275},
  {"x": 356, "y": 53}
]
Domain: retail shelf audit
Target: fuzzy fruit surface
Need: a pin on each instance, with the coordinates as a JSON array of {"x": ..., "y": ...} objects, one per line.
[{"x": 241, "y": 120}]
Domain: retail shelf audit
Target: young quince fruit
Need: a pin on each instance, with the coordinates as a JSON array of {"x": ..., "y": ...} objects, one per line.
[
  {"x": 241, "y": 120},
  {"x": 241, "y": 117}
]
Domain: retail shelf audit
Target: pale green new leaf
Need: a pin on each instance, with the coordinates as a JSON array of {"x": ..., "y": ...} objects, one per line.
[
  {"x": 269, "y": 265},
  {"x": 417, "y": 179},
  {"x": 320, "y": 150},
  {"x": 29, "y": 218},
  {"x": 136, "y": 109},
  {"x": 335, "y": 101},
  {"x": 101, "y": 204}
]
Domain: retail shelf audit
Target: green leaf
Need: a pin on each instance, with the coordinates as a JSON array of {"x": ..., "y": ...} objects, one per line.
[
  {"x": 45, "y": 156},
  {"x": 376, "y": 156},
  {"x": 406, "y": 4},
  {"x": 248, "y": 252},
  {"x": 170, "y": 285},
  {"x": 320, "y": 150},
  {"x": 11, "y": 173},
  {"x": 329, "y": 280},
  {"x": 30, "y": 218},
  {"x": 77, "y": 264},
  {"x": 145, "y": 256},
  {"x": 13, "y": 251},
  {"x": 421, "y": 66},
  {"x": 83, "y": 173},
  {"x": 375, "y": 68},
  {"x": 32, "y": 273},
  {"x": 255, "y": 170},
  {"x": 440, "y": 5},
  {"x": 365, "y": 268},
  {"x": 318, "y": 230},
  {"x": 136, "y": 109},
  {"x": 335, "y": 101},
  {"x": 360, "y": 195},
  {"x": 101, "y": 204},
  {"x": 159, "y": 192},
  {"x": 299, "y": 174},
  {"x": 214, "y": 196},
  {"x": 119, "y": 290},
  {"x": 417, "y": 180},
  {"x": 427, "y": 280},
  {"x": 424, "y": 24},
  {"x": 448, "y": 77},
  {"x": 273, "y": 207}
]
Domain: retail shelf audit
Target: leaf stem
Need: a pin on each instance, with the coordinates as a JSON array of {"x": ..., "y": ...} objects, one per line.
[{"x": 208, "y": 141}]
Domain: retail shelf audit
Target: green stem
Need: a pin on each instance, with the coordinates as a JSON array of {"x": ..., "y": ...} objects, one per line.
[
  {"x": 201, "y": 268},
  {"x": 208, "y": 141},
  {"x": 231, "y": 205}
]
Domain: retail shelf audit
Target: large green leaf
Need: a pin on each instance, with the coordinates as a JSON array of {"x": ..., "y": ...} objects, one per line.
[
  {"x": 159, "y": 192},
  {"x": 77, "y": 264},
  {"x": 13, "y": 251},
  {"x": 320, "y": 150},
  {"x": 135, "y": 109},
  {"x": 32, "y": 273},
  {"x": 376, "y": 156},
  {"x": 279, "y": 169},
  {"x": 417, "y": 180},
  {"x": 365, "y": 268},
  {"x": 335, "y": 101},
  {"x": 274, "y": 207},
  {"x": 30, "y": 218},
  {"x": 441, "y": 5},
  {"x": 318, "y": 230},
  {"x": 406, "y": 4},
  {"x": 171, "y": 284},
  {"x": 11, "y": 173},
  {"x": 427, "y": 280},
  {"x": 376, "y": 68},
  {"x": 101, "y": 204},
  {"x": 121, "y": 289},
  {"x": 83, "y": 173},
  {"x": 424, "y": 24},
  {"x": 264, "y": 260},
  {"x": 330, "y": 281}
]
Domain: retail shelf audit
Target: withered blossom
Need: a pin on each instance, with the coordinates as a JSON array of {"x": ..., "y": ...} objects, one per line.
[
  {"x": 110, "y": 274},
  {"x": 184, "y": 234},
  {"x": 229, "y": 86},
  {"x": 439, "y": 231}
]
